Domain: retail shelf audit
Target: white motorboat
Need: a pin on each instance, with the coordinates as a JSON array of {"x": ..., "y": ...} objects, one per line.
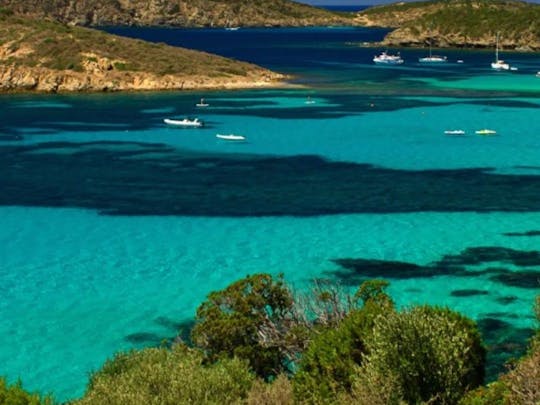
[
  {"x": 499, "y": 64},
  {"x": 309, "y": 100},
  {"x": 231, "y": 137},
  {"x": 454, "y": 132},
  {"x": 232, "y": 28},
  {"x": 202, "y": 103},
  {"x": 485, "y": 132},
  {"x": 186, "y": 122},
  {"x": 537, "y": 74},
  {"x": 386, "y": 59}
]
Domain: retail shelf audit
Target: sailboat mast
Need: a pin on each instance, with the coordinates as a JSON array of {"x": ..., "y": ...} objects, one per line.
[{"x": 497, "y": 48}]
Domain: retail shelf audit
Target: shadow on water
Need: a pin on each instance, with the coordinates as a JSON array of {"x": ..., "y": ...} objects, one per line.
[
  {"x": 504, "y": 343},
  {"x": 176, "y": 331},
  {"x": 129, "y": 178},
  {"x": 354, "y": 271}
]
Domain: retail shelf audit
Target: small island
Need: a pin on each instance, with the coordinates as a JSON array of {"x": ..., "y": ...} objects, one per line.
[
  {"x": 48, "y": 56},
  {"x": 458, "y": 23}
]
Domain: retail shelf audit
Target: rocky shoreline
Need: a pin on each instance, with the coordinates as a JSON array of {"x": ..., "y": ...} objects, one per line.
[{"x": 38, "y": 79}]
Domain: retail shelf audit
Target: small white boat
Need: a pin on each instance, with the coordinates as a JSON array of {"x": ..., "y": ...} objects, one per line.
[
  {"x": 537, "y": 74},
  {"x": 485, "y": 132},
  {"x": 432, "y": 58},
  {"x": 459, "y": 61},
  {"x": 186, "y": 122},
  {"x": 232, "y": 28},
  {"x": 202, "y": 103},
  {"x": 499, "y": 64},
  {"x": 231, "y": 137},
  {"x": 386, "y": 59},
  {"x": 454, "y": 132},
  {"x": 309, "y": 100}
]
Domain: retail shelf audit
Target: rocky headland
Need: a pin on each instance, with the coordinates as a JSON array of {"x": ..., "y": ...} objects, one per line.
[
  {"x": 46, "y": 56},
  {"x": 458, "y": 23}
]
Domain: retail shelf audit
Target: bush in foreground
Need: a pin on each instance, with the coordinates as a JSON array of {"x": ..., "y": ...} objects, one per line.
[
  {"x": 231, "y": 323},
  {"x": 16, "y": 395},
  {"x": 168, "y": 376},
  {"x": 424, "y": 354},
  {"x": 330, "y": 363}
]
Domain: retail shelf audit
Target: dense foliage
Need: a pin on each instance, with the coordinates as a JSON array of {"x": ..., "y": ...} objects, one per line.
[
  {"x": 15, "y": 395},
  {"x": 329, "y": 364},
  {"x": 168, "y": 376},
  {"x": 231, "y": 322},
  {"x": 431, "y": 354}
]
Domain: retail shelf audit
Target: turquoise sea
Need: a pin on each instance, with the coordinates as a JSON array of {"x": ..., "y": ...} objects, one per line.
[{"x": 115, "y": 226}]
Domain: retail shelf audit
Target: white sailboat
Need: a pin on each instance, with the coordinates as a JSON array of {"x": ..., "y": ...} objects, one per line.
[
  {"x": 432, "y": 58},
  {"x": 499, "y": 64}
]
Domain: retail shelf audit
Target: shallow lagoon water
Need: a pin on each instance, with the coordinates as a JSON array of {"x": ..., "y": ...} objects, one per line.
[{"x": 82, "y": 278}]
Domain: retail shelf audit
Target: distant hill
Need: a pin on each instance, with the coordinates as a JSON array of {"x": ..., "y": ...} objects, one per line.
[
  {"x": 182, "y": 13},
  {"x": 50, "y": 56},
  {"x": 458, "y": 23}
]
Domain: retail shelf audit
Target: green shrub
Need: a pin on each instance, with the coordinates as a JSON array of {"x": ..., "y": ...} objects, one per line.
[
  {"x": 15, "y": 395},
  {"x": 168, "y": 376},
  {"x": 330, "y": 363},
  {"x": 278, "y": 392},
  {"x": 230, "y": 322},
  {"x": 427, "y": 353}
]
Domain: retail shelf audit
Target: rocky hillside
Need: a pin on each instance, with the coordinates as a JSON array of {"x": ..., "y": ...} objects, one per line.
[
  {"x": 48, "y": 56},
  {"x": 458, "y": 23},
  {"x": 181, "y": 13}
]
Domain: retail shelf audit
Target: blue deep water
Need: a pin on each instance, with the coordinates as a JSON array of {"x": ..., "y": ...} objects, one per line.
[{"x": 115, "y": 226}]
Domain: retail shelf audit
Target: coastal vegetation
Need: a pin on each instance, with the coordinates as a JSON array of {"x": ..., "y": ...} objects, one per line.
[
  {"x": 45, "y": 55},
  {"x": 180, "y": 13},
  {"x": 458, "y": 23},
  {"x": 326, "y": 347},
  {"x": 15, "y": 394}
]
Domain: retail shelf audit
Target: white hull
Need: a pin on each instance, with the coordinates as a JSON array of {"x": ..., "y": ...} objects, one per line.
[
  {"x": 185, "y": 123},
  {"x": 485, "y": 132},
  {"x": 231, "y": 137},
  {"x": 500, "y": 65},
  {"x": 385, "y": 59},
  {"x": 433, "y": 59}
]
